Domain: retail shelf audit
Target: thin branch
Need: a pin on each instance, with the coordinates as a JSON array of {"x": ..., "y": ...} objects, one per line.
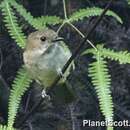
[
  {"x": 88, "y": 41},
  {"x": 82, "y": 35},
  {"x": 1, "y": 59},
  {"x": 64, "y": 6},
  {"x": 60, "y": 27},
  {"x": 27, "y": 102}
]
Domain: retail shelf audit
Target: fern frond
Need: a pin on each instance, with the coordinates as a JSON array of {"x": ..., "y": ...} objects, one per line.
[
  {"x": 98, "y": 72},
  {"x": 37, "y": 23},
  {"x": 123, "y": 57},
  {"x": 10, "y": 20},
  {"x": 20, "y": 85},
  {"x": 3, "y": 127},
  {"x": 93, "y": 11},
  {"x": 23, "y": 12},
  {"x": 42, "y": 21}
]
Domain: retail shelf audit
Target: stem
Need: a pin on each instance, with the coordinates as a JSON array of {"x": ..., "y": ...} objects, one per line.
[
  {"x": 61, "y": 26},
  {"x": 27, "y": 102},
  {"x": 65, "y": 15},
  {"x": 92, "y": 45},
  {"x": 82, "y": 35},
  {"x": 109, "y": 128},
  {"x": 1, "y": 59},
  {"x": 64, "y": 6}
]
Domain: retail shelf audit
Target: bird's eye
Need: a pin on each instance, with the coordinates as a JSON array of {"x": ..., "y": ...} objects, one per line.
[{"x": 43, "y": 38}]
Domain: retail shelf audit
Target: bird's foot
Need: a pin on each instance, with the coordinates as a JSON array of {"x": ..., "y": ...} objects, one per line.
[
  {"x": 44, "y": 95},
  {"x": 61, "y": 74}
]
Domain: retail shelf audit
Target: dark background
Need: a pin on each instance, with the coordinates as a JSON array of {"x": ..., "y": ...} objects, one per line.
[{"x": 53, "y": 116}]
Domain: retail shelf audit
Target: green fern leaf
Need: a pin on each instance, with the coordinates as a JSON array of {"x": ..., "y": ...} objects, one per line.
[
  {"x": 123, "y": 56},
  {"x": 2, "y": 127},
  {"x": 98, "y": 72},
  {"x": 20, "y": 85},
  {"x": 94, "y": 11},
  {"x": 10, "y": 20},
  {"x": 42, "y": 21},
  {"x": 23, "y": 12},
  {"x": 37, "y": 23}
]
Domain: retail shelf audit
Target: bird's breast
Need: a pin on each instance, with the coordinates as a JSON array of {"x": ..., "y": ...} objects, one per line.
[{"x": 46, "y": 67}]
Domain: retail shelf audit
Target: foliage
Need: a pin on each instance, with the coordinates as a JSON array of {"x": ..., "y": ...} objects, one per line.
[
  {"x": 19, "y": 86},
  {"x": 5, "y": 128},
  {"x": 101, "y": 79},
  {"x": 11, "y": 23},
  {"x": 98, "y": 70},
  {"x": 123, "y": 57},
  {"x": 15, "y": 30},
  {"x": 37, "y": 23},
  {"x": 41, "y": 22},
  {"x": 93, "y": 11}
]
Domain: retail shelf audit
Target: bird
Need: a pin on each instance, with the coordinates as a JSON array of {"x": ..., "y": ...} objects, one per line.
[{"x": 44, "y": 57}]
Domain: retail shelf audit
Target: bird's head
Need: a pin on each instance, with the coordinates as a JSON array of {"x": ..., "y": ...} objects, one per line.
[{"x": 42, "y": 40}]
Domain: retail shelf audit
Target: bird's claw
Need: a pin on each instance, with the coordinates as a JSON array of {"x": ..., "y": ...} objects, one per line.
[{"x": 44, "y": 95}]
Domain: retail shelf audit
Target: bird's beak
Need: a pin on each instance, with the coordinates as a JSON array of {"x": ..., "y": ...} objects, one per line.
[{"x": 58, "y": 39}]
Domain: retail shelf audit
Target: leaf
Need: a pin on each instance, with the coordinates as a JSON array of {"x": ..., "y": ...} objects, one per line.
[
  {"x": 39, "y": 22},
  {"x": 89, "y": 12},
  {"x": 42, "y": 21},
  {"x": 101, "y": 79},
  {"x": 3, "y": 127},
  {"x": 23, "y": 12},
  {"x": 15, "y": 31},
  {"x": 123, "y": 57},
  {"x": 20, "y": 85}
]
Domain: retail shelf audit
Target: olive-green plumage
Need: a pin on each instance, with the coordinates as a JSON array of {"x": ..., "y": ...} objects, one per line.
[{"x": 44, "y": 57}]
